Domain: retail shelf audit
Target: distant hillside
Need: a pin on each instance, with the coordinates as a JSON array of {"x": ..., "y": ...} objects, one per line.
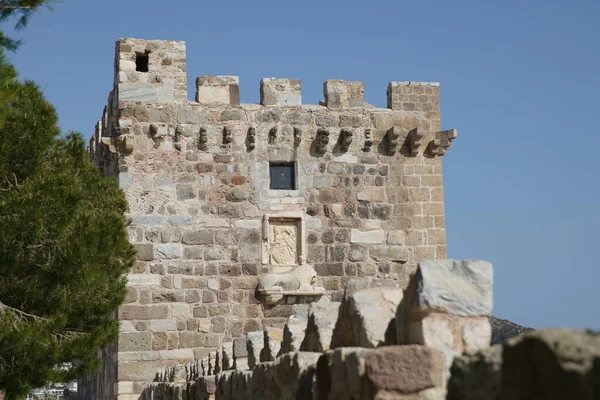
[{"x": 502, "y": 330}]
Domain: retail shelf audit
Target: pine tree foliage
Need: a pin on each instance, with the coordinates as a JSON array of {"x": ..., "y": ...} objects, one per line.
[
  {"x": 20, "y": 11},
  {"x": 64, "y": 248}
]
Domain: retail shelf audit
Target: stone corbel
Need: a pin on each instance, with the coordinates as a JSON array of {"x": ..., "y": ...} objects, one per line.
[
  {"x": 203, "y": 140},
  {"x": 119, "y": 144},
  {"x": 415, "y": 140},
  {"x": 368, "y": 140},
  {"x": 322, "y": 140},
  {"x": 442, "y": 142},
  {"x": 273, "y": 135},
  {"x": 227, "y": 135},
  {"x": 297, "y": 137},
  {"x": 393, "y": 138},
  {"x": 251, "y": 139},
  {"x": 345, "y": 139}
]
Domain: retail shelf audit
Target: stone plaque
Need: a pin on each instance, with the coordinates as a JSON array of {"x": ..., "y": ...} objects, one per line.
[{"x": 283, "y": 242}]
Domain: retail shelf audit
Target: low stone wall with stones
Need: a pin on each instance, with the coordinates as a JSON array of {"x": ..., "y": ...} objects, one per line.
[
  {"x": 353, "y": 349},
  {"x": 554, "y": 364},
  {"x": 221, "y": 194}
]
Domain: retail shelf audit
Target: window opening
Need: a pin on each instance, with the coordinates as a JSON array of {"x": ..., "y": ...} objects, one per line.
[
  {"x": 141, "y": 62},
  {"x": 282, "y": 176}
]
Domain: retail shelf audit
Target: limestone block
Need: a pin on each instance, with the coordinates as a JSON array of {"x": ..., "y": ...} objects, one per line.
[
  {"x": 461, "y": 288},
  {"x": 143, "y": 279},
  {"x": 367, "y": 318},
  {"x": 370, "y": 237},
  {"x": 136, "y": 341},
  {"x": 340, "y": 94},
  {"x": 372, "y": 194},
  {"x": 280, "y": 92},
  {"x": 322, "y": 316},
  {"x": 138, "y": 91},
  {"x": 291, "y": 376},
  {"x": 227, "y": 356},
  {"x": 552, "y": 364},
  {"x": 393, "y": 253},
  {"x": 218, "y": 90},
  {"x": 240, "y": 354},
  {"x": 476, "y": 376},
  {"x": 162, "y": 325},
  {"x": 255, "y": 342},
  {"x": 293, "y": 333},
  {"x": 272, "y": 346},
  {"x": 390, "y": 372}
]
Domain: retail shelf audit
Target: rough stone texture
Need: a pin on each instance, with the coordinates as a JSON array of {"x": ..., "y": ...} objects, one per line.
[
  {"x": 293, "y": 333},
  {"x": 553, "y": 364},
  {"x": 390, "y": 372},
  {"x": 462, "y": 288},
  {"x": 255, "y": 343},
  {"x": 196, "y": 177},
  {"x": 447, "y": 305},
  {"x": 273, "y": 339},
  {"x": 322, "y": 316},
  {"x": 367, "y": 315},
  {"x": 476, "y": 376},
  {"x": 290, "y": 376}
]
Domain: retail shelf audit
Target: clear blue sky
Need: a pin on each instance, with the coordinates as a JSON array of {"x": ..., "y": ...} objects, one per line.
[{"x": 520, "y": 81}]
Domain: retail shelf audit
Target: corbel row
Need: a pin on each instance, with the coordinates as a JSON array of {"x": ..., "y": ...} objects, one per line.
[{"x": 441, "y": 142}]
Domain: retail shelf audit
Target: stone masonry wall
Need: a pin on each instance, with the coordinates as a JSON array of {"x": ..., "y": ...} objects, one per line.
[{"x": 367, "y": 202}]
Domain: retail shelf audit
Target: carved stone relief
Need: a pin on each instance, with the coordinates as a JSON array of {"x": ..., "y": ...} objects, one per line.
[{"x": 283, "y": 242}]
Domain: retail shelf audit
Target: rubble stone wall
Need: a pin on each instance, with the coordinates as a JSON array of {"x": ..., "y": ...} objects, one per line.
[{"x": 367, "y": 200}]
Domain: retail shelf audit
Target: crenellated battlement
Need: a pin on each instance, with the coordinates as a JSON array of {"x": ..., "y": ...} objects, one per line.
[{"x": 155, "y": 71}]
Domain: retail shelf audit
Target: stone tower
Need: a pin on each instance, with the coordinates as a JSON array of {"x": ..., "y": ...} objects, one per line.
[{"x": 241, "y": 213}]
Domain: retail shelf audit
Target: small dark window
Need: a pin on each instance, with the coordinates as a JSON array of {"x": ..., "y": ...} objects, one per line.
[
  {"x": 141, "y": 62},
  {"x": 282, "y": 176}
]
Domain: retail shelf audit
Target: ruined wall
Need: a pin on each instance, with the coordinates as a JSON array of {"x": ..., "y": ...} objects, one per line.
[{"x": 367, "y": 199}]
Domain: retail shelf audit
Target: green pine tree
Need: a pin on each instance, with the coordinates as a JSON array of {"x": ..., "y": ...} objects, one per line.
[{"x": 64, "y": 248}]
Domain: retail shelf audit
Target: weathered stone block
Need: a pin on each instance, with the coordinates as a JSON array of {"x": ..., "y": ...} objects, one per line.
[
  {"x": 461, "y": 288},
  {"x": 132, "y": 311},
  {"x": 340, "y": 94},
  {"x": 280, "y": 92},
  {"x": 368, "y": 237},
  {"x": 218, "y": 90},
  {"x": 393, "y": 253},
  {"x": 322, "y": 316},
  {"x": 476, "y": 376},
  {"x": 137, "y": 341},
  {"x": 367, "y": 317}
]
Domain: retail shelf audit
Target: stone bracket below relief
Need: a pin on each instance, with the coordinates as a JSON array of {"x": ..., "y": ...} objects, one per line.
[{"x": 297, "y": 282}]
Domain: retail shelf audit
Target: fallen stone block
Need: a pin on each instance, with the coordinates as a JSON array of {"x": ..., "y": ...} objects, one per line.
[
  {"x": 552, "y": 364},
  {"x": 462, "y": 288},
  {"x": 389, "y": 372},
  {"x": 322, "y": 316},
  {"x": 447, "y": 307},
  {"x": 240, "y": 355},
  {"x": 272, "y": 346},
  {"x": 226, "y": 356},
  {"x": 293, "y": 333},
  {"x": 291, "y": 376},
  {"x": 367, "y": 317},
  {"x": 255, "y": 343}
]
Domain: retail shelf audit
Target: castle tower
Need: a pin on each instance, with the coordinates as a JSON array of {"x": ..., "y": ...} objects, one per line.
[{"x": 228, "y": 201}]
